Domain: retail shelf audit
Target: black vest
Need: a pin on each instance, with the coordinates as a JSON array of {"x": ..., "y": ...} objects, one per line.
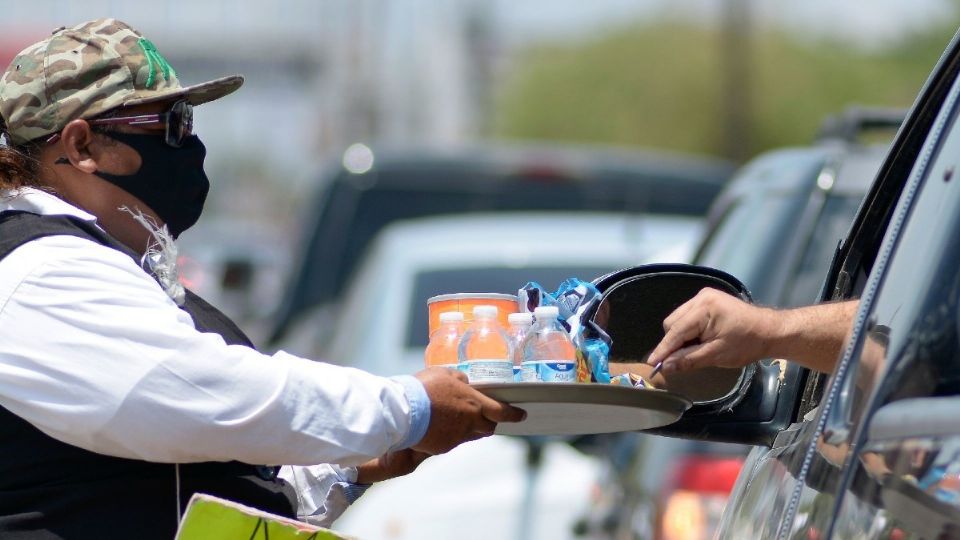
[{"x": 50, "y": 489}]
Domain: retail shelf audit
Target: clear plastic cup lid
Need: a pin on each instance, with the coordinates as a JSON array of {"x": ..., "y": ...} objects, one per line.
[
  {"x": 520, "y": 318},
  {"x": 451, "y": 316},
  {"x": 546, "y": 312},
  {"x": 485, "y": 311}
]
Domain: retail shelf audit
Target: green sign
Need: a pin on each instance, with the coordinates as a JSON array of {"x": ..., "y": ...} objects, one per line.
[{"x": 210, "y": 518}]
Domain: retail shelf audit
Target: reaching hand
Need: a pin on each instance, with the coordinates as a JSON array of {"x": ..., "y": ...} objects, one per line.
[
  {"x": 717, "y": 329},
  {"x": 714, "y": 329},
  {"x": 390, "y": 465},
  {"x": 458, "y": 412}
]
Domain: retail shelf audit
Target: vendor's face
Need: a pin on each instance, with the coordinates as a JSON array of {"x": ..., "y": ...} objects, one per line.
[
  {"x": 120, "y": 159},
  {"x": 81, "y": 152}
]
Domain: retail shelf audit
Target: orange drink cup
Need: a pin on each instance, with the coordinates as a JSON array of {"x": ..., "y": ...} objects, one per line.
[{"x": 464, "y": 302}]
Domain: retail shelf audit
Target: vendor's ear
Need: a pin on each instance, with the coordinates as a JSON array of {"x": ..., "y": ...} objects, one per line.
[{"x": 76, "y": 139}]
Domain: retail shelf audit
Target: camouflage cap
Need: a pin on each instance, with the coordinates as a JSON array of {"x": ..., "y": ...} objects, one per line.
[{"x": 87, "y": 70}]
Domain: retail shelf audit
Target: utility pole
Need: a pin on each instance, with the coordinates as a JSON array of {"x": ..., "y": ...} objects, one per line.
[{"x": 736, "y": 81}]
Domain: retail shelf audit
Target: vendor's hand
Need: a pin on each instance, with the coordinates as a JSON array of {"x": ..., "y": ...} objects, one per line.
[
  {"x": 714, "y": 329},
  {"x": 391, "y": 465},
  {"x": 458, "y": 412}
]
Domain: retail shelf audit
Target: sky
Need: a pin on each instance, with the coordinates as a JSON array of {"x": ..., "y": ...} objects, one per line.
[{"x": 865, "y": 22}]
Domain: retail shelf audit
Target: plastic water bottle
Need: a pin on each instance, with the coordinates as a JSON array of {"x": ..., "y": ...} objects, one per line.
[
  {"x": 443, "y": 349},
  {"x": 519, "y": 326},
  {"x": 485, "y": 348},
  {"x": 548, "y": 353}
]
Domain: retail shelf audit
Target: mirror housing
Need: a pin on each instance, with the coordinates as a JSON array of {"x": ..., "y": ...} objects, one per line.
[{"x": 730, "y": 405}]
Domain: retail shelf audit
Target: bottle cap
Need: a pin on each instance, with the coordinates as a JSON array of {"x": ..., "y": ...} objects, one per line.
[
  {"x": 451, "y": 316},
  {"x": 484, "y": 312},
  {"x": 520, "y": 318},
  {"x": 546, "y": 312}
]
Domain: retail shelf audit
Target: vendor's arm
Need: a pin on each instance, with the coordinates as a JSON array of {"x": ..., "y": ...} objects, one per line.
[
  {"x": 94, "y": 354},
  {"x": 717, "y": 329}
]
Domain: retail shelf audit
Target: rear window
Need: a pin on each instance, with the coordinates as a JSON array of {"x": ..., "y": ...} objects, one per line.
[{"x": 488, "y": 280}]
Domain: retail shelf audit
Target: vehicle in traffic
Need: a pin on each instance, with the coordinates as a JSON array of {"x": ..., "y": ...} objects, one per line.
[
  {"x": 775, "y": 226},
  {"x": 870, "y": 450},
  {"x": 377, "y": 188}
]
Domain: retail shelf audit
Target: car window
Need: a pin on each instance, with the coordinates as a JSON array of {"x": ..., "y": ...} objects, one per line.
[
  {"x": 488, "y": 280},
  {"x": 750, "y": 231},
  {"x": 832, "y": 226}
]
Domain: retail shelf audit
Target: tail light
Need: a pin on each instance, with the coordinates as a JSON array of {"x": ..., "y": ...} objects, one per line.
[{"x": 693, "y": 501}]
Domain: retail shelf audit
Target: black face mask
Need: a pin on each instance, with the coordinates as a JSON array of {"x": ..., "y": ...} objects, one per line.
[{"x": 170, "y": 181}]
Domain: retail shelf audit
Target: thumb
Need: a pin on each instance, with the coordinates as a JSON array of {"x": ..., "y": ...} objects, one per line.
[{"x": 497, "y": 411}]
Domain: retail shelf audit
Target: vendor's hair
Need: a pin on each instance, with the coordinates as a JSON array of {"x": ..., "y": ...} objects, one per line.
[
  {"x": 19, "y": 165},
  {"x": 17, "y": 168}
]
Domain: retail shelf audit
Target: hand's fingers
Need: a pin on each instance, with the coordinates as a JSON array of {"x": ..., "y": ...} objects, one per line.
[
  {"x": 679, "y": 313},
  {"x": 460, "y": 375},
  {"x": 484, "y": 426},
  {"x": 680, "y": 359},
  {"x": 706, "y": 355},
  {"x": 418, "y": 457},
  {"x": 476, "y": 435},
  {"x": 683, "y": 330},
  {"x": 692, "y": 357},
  {"x": 500, "y": 412}
]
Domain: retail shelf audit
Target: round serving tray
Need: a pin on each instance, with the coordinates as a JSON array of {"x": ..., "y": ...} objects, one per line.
[{"x": 581, "y": 409}]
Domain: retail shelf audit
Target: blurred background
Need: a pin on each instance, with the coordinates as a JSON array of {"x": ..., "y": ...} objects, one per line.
[
  {"x": 347, "y": 97},
  {"x": 726, "y": 79}
]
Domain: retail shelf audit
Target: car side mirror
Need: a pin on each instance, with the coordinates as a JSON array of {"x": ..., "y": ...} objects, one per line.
[{"x": 631, "y": 309}]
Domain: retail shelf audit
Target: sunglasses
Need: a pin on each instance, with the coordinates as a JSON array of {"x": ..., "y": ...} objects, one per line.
[{"x": 177, "y": 122}]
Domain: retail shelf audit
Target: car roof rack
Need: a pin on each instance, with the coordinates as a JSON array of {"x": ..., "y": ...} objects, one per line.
[{"x": 850, "y": 124}]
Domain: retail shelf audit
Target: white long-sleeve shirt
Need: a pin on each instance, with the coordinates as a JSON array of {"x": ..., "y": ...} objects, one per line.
[{"x": 94, "y": 354}]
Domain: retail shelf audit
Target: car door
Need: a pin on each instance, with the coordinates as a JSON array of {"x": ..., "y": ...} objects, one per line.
[
  {"x": 797, "y": 487},
  {"x": 897, "y": 460}
]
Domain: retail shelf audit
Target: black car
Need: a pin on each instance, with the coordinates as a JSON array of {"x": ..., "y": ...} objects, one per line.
[
  {"x": 873, "y": 450},
  {"x": 775, "y": 226}
]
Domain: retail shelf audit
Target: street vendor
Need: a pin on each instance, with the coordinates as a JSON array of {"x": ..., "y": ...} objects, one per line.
[{"x": 123, "y": 394}]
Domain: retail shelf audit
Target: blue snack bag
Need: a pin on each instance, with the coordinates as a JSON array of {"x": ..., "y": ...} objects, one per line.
[{"x": 573, "y": 298}]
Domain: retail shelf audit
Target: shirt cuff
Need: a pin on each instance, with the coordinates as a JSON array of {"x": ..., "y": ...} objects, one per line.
[
  {"x": 352, "y": 492},
  {"x": 347, "y": 483},
  {"x": 419, "y": 410}
]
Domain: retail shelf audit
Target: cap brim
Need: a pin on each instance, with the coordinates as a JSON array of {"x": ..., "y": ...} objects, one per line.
[{"x": 197, "y": 94}]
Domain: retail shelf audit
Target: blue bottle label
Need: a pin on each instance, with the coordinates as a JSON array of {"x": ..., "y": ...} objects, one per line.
[
  {"x": 494, "y": 370},
  {"x": 549, "y": 371}
]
